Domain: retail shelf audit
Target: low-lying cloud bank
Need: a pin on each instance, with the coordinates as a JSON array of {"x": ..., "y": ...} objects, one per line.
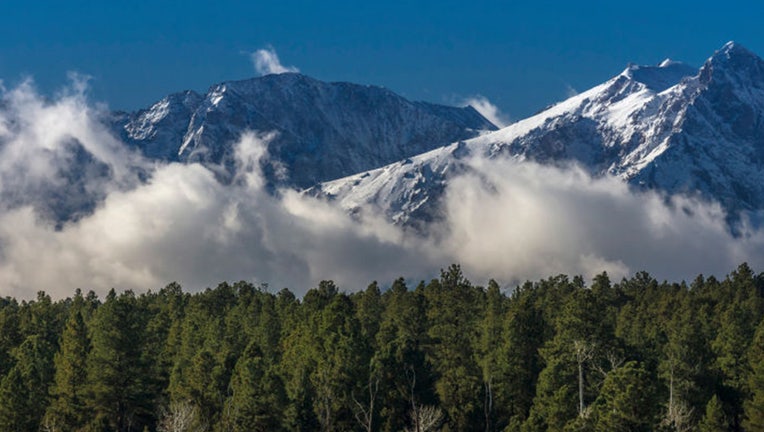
[
  {"x": 503, "y": 220},
  {"x": 517, "y": 221}
]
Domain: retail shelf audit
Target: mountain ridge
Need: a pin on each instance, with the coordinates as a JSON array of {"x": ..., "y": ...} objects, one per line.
[
  {"x": 656, "y": 127},
  {"x": 325, "y": 130}
]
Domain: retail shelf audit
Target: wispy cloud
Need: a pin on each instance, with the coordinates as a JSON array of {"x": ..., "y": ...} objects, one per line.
[
  {"x": 267, "y": 62},
  {"x": 570, "y": 91},
  {"x": 488, "y": 110}
]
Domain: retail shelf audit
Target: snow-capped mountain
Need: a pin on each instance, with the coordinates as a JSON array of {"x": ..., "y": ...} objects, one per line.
[
  {"x": 668, "y": 127},
  {"x": 324, "y": 130}
]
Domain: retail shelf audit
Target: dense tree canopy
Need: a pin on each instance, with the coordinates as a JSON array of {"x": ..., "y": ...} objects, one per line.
[{"x": 549, "y": 355}]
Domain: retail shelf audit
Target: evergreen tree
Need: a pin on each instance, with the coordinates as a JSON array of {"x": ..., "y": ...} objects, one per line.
[
  {"x": 10, "y": 334},
  {"x": 163, "y": 333},
  {"x": 715, "y": 420},
  {"x": 626, "y": 402},
  {"x": 369, "y": 309},
  {"x": 297, "y": 364},
  {"x": 520, "y": 362},
  {"x": 754, "y": 405},
  {"x": 489, "y": 357},
  {"x": 405, "y": 376},
  {"x": 338, "y": 374},
  {"x": 731, "y": 346},
  {"x": 452, "y": 317},
  {"x": 204, "y": 362},
  {"x": 68, "y": 410},
  {"x": 565, "y": 385},
  {"x": 257, "y": 395},
  {"x": 118, "y": 377},
  {"x": 24, "y": 391},
  {"x": 16, "y": 414}
]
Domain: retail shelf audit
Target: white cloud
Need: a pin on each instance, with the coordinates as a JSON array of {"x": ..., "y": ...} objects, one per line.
[
  {"x": 535, "y": 221},
  {"x": 570, "y": 91},
  {"x": 488, "y": 110},
  {"x": 182, "y": 224},
  {"x": 502, "y": 219},
  {"x": 267, "y": 62}
]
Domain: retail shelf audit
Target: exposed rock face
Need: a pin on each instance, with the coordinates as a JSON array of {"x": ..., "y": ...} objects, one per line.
[{"x": 324, "y": 130}]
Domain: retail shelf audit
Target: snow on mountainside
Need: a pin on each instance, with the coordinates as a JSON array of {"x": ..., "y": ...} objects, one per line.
[
  {"x": 668, "y": 127},
  {"x": 324, "y": 130}
]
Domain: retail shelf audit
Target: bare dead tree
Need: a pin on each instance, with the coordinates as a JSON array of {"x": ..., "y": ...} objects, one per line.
[
  {"x": 678, "y": 413},
  {"x": 49, "y": 425},
  {"x": 488, "y": 403},
  {"x": 427, "y": 418},
  {"x": 182, "y": 416},
  {"x": 614, "y": 361},
  {"x": 364, "y": 414},
  {"x": 411, "y": 376},
  {"x": 584, "y": 352},
  {"x": 678, "y": 416}
]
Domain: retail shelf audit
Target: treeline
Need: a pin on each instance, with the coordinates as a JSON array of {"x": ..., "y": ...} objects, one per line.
[{"x": 553, "y": 355}]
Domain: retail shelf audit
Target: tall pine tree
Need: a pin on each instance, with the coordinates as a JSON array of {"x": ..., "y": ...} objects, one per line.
[{"x": 68, "y": 410}]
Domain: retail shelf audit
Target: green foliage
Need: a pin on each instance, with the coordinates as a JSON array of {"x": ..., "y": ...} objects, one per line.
[
  {"x": 119, "y": 379},
  {"x": 16, "y": 411},
  {"x": 68, "y": 409},
  {"x": 257, "y": 395},
  {"x": 715, "y": 419},
  {"x": 452, "y": 317},
  {"x": 626, "y": 402},
  {"x": 24, "y": 391},
  {"x": 405, "y": 377},
  {"x": 552, "y": 355},
  {"x": 754, "y": 405}
]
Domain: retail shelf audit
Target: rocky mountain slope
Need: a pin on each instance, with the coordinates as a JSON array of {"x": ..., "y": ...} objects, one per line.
[
  {"x": 668, "y": 127},
  {"x": 324, "y": 130}
]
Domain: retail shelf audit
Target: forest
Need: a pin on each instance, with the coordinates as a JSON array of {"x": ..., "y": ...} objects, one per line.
[{"x": 558, "y": 354}]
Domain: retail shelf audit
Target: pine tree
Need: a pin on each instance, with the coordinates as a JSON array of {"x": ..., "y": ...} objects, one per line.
[
  {"x": 490, "y": 359},
  {"x": 369, "y": 310},
  {"x": 24, "y": 391},
  {"x": 754, "y": 405},
  {"x": 452, "y": 316},
  {"x": 565, "y": 388},
  {"x": 68, "y": 410},
  {"x": 258, "y": 397},
  {"x": 338, "y": 374},
  {"x": 626, "y": 402},
  {"x": 297, "y": 364},
  {"x": 520, "y": 362},
  {"x": 405, "y": 376},
  {"x": 715, "y": 419},
  {"x": 10, "y": 334},
  {"x": 118, "y": 376},
  {"x": 16, "y": 414}
]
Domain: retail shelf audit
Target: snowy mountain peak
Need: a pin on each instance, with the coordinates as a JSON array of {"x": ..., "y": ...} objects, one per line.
[
  {"x": 733, "y": 48},
  {"x": 733, "y": 63},
  {"x": 660, "y": 77},
  {"x": 324, "y": 130},
  {"x": 668, "y": 127}
]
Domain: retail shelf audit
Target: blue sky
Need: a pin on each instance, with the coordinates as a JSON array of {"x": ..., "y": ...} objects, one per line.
[{"x": 521, "y": 55}]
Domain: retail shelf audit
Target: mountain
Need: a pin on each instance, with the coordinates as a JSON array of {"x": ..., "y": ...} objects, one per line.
[
  {"x": 669, "y": 127},
  {"x": 324, "y": 130}
]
